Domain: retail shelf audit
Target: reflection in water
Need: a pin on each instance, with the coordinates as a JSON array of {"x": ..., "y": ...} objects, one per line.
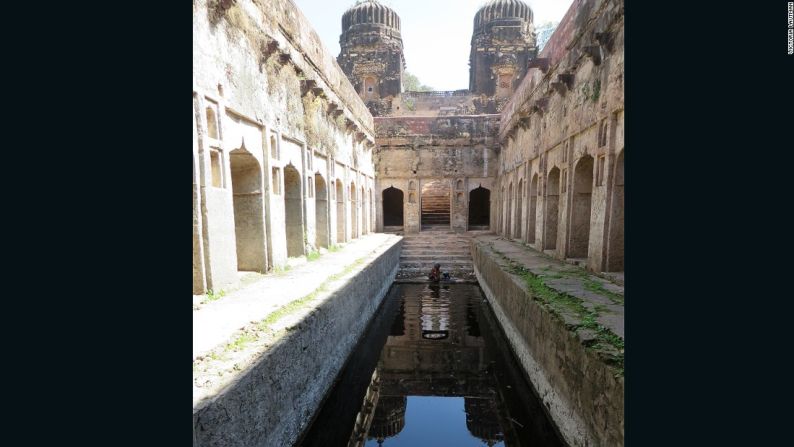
[
  {"x": 431, "y": 370},
  {"x": 434, "y": 314}
]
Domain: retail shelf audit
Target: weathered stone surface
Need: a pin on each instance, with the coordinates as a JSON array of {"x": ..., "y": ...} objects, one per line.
[
  {"x": 265, "y": 145},
  {"x": 372, "y": 53},
  {"x": 582, "y": 392},
  {"x": 502, "y": 44},
  {"x": 270, "y": 403},
  {"x": 413, "y": 152},
  {"x": 564, "y": 160},
  {"x": 215, "y": 322}
]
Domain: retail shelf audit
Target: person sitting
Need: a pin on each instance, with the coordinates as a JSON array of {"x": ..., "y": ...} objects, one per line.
[{"x": 435, "y": 274}]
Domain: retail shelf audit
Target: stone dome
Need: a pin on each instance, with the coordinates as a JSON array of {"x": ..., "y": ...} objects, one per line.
[
  {"x": 502, "y": 9},
  {"x": 370, "y": 12}
]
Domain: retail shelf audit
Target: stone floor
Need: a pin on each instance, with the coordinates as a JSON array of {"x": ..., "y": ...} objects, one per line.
[
  {"x": 574, "y": 280},
  {"x": 215, "y": 322}
]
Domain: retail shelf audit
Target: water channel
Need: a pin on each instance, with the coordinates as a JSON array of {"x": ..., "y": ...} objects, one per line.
[{"x": 432, "y": 369}]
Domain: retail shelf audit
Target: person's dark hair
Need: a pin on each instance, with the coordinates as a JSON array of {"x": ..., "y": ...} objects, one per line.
[{"x": 437, "y": 266}]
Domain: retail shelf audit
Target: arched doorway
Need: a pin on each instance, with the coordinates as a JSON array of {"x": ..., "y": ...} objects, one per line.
[
  {"x": 340, "y": 212},
  {"x": 582, "y": 204},
  {"x": 479, "y": 208},
  {"x": 321, "y": 210},
  {"x": 372, "y": 217},
  {"x": 370, "y": 88},
  {"x": 353, "y": 211},
  {"x": 519, "y": 209},
  {"x": 509, "y": 213},
  {"x": 249, "y": 214},
  {"x": 392, "y": 208},
  {"x": 364, "y": 212},
  {"x": 435, "y": 204},
  {"x": 552, "y": 209},
  {"x": 501, "y": 204},
  {"x": 533, "y": 209},
  {"x": 293, "y": 210},
  {"x": 615, "y": 246}
]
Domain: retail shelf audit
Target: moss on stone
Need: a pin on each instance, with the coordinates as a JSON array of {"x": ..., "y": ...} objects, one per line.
[{"x": 607, "y": 345}]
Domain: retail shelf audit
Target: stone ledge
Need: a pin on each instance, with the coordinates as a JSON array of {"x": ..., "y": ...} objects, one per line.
[
  {"x": 303, "y": 363},
  {"x": 583, "y": 393}
]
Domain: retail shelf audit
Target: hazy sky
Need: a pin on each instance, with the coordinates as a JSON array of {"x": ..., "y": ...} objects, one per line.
[{"x": 436, "y": 33}]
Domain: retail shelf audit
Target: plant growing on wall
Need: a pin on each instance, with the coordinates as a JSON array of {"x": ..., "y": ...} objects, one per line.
[
  {"x": 318, "y": 128},
  {"x": 596, "y": 90}
]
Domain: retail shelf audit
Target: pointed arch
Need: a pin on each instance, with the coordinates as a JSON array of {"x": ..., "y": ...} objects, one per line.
[
  {"x": 533, "y": 210},
  {"x": 249, "y": 211},
  {"x": 615, "y": 244},
  {"x": 582, "y": 207},
  {"x": 340, "y": 212},
  {"x": 321, "y": 211},
  {"x": 293, "y": 211},
  {"x": 551, "y": 213},
  {"x": 479, "y": 208}
]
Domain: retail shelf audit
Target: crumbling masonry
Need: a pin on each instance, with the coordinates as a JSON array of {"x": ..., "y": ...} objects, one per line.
[{"x": 287, "y": 156}]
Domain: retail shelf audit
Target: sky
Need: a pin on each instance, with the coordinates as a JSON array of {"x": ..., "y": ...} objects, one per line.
[{"x": 436, "y": 33}]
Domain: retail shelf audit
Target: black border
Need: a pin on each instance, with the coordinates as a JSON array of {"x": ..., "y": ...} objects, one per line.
[{"x": 98, "y": 330}]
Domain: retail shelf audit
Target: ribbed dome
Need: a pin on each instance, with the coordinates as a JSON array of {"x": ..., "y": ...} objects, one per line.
[
  {"x": 502, "y": 9},
  {"x": 370, "y": 11}
]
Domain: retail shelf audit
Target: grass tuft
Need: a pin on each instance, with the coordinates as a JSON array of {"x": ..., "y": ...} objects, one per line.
[{"x": 607, "y": 343}]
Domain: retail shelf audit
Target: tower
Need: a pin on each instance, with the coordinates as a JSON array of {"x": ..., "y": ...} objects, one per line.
[
  {"x": 502, "y": 44},
  {"x": 372, "y": 53}
]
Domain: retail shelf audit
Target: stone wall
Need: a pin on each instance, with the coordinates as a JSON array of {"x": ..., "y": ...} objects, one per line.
[
  {"x": 580, "y": 391},
  {"x": 271, "y": 403},
  {"x": 564, "y": 125},
  {"x": 270, "y": 100},
  {"x": 413, "y": 151},
  {"x": 441, "y": 103}
]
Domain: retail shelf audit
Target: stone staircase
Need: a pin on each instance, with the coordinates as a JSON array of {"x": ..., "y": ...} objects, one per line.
[
  {"x": 435, "y": 206},
  {"x": 450, "y": 249}
]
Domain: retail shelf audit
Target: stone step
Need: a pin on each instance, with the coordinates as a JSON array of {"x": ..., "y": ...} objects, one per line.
[
  {"x": 435, "y": 250},
  {"x": 446, "y": 252},
  {"x": 436, "y": 242},
  {"x": 423, "y": 272},
  {"x": 439, "y": 260},
  {"x": 442, "y": 238},
  {"x": 441, "y": 257},
  {"x": 440, "y": 245},
  {"x": 430, "y": 247},
  {"x": 427, "y": 266},
  {"x": 435, "y": 245}
]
